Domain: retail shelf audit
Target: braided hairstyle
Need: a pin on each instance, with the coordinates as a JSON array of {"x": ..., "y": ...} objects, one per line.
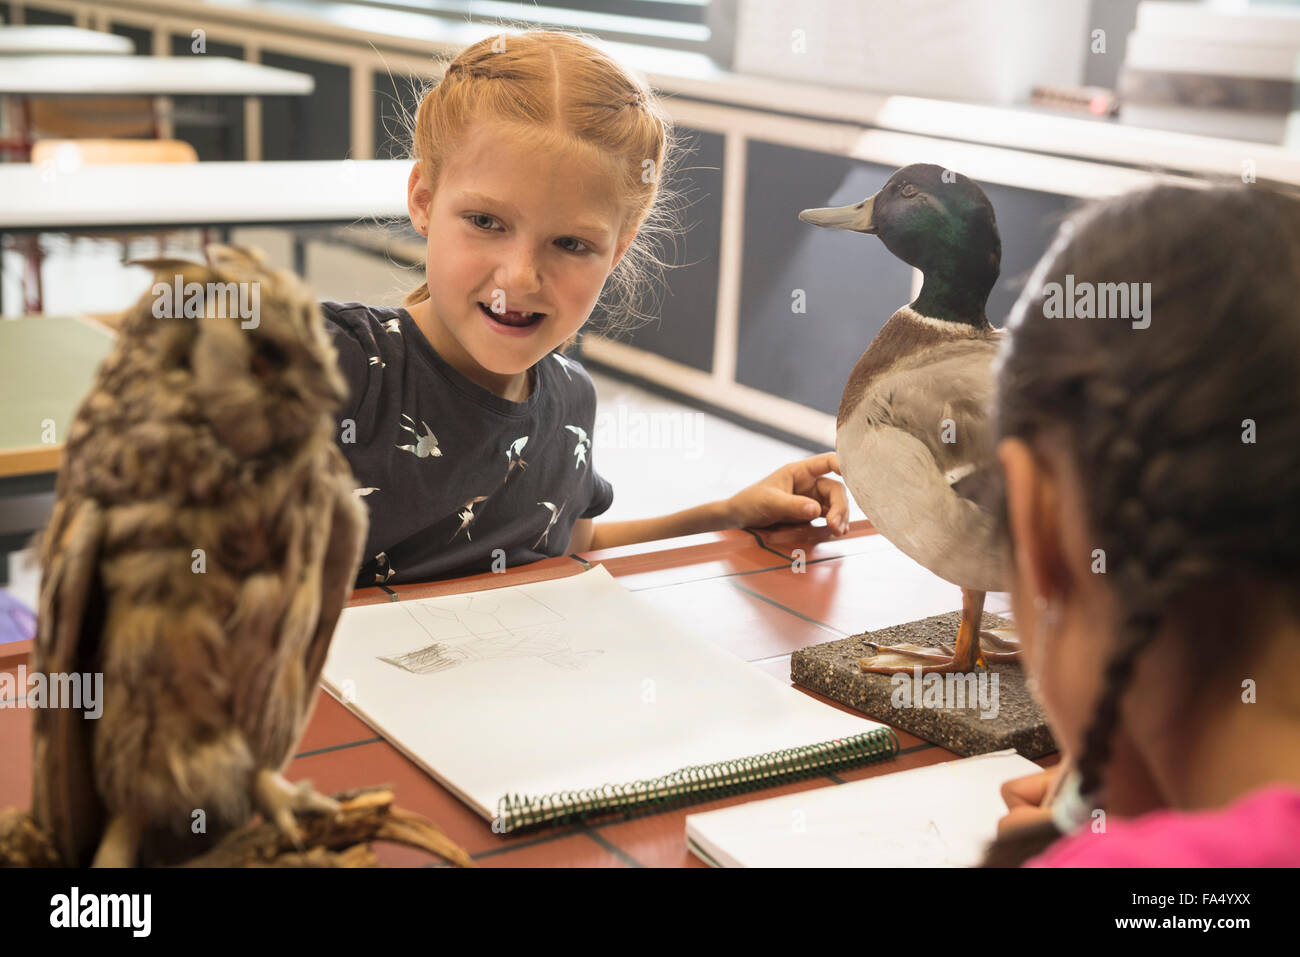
[
  {"x": 1176, "y": 496},
  {"x": 560, "y": 91}
]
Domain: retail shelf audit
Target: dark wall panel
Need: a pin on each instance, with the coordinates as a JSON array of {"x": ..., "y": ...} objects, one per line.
[
  {"x": 395, "y": 100},
  {"x": 315, "y": 127},
  {"x": 682, "y": 328},
  {"x": 33, "y": 17},
  {"x": 851, "y": 282},
  {"x": 213, "y": 125},
  {"x": 142, "y": 38},
  {"x": 1027, "y": 220}
]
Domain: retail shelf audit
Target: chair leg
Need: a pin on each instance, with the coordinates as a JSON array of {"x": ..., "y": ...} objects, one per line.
[{"x": 33, "y": 299}]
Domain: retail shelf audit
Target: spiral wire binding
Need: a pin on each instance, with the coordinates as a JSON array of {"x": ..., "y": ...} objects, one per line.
[{"x": 695, "y": 783}]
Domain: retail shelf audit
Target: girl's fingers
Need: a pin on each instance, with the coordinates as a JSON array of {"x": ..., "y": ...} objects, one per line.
[
  {"x": 1021, "y": 817},
  {"x": 835, "y": 505},
  {"x": 820, "y": 464},
  {"x": 1028, "y": 791}
]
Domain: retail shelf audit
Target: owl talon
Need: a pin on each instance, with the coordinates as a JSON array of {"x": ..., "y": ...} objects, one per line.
[
  {"x": 279, "y": 800},
  {"x": 307, "y": 800},
  {"x": 120, "y": 844}
]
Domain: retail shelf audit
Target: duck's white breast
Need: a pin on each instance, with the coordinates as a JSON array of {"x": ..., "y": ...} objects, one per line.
[{"x": 919, "y": 425}]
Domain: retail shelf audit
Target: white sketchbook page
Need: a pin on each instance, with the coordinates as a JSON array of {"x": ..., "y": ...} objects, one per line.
[
  {"x": 938, "y": 816},
  {"x": 559, "y": 686}
]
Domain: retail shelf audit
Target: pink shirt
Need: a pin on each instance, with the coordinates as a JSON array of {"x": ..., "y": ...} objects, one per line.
[{"x": 1259, "y": 829}]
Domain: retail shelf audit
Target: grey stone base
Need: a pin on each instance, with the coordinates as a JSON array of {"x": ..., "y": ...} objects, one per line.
[{"x": 996, "y": 716}]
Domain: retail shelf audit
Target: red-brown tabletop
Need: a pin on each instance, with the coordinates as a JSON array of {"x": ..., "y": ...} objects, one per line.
[{"x": 759, "y": 593}]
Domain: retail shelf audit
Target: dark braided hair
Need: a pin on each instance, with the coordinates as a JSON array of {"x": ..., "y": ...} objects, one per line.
[{"x": 1175, "y": 497}]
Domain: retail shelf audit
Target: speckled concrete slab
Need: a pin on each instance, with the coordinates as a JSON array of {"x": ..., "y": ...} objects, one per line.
[{"x": 987, "y": 710}]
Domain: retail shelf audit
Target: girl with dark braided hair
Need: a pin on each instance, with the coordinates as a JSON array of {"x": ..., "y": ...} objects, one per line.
[{"x": 1153, "y": 505}]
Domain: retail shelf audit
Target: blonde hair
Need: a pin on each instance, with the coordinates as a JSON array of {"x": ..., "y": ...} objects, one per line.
[{"x": 563, "y": 92}]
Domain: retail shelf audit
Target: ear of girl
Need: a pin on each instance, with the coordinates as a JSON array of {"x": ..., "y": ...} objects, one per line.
[{"x": 1152, "y": 463}]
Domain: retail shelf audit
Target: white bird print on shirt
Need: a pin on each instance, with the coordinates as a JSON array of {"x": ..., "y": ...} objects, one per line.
[
  {"x": 426, "y": 444},
  {"x": 565, "y": 363},
  {"x": 377, "y": 361},
  {"x": 394, "y": 325},
  {"x": 514, "y": 456},
  {"x": 467, "y": 516},
  {"x": 555, "y": 513},
  {"x": 363, "y": 492},
  {"x": 584, "y": 443}
]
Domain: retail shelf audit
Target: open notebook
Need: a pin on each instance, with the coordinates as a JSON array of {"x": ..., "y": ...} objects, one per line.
[
  {"x": 939, "y": 816},
  {"x": 535, "y": 703}
]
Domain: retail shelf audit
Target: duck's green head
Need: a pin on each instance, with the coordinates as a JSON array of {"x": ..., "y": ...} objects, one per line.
[{"x": 934, "y": 219}]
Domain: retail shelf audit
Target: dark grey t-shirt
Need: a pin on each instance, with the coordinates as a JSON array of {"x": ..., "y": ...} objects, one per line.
[{"x": 450, "y": 470}]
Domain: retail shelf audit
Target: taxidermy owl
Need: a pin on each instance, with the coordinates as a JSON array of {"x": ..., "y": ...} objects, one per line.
[{"x": 203, "y": 542}]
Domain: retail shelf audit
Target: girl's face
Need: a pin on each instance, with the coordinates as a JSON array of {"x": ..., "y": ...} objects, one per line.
[{"x": 513, "y": 229}]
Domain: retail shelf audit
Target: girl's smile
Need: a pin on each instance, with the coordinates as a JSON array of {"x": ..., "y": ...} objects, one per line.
[{"x": 512, "y": 323}]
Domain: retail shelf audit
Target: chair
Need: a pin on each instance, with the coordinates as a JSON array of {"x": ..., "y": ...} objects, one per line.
[
  {"x": 71, "y": 153},
  {"x": 94, "y": 152}
]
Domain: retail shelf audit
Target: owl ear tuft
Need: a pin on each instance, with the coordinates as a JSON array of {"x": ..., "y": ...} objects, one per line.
[
  {"x": 240, "y": 259},
  {"x": 167, "y": 264}
]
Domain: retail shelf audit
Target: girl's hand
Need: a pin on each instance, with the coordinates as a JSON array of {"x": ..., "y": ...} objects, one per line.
[
  {"x": 1028, "y": 799},
  {"x": 798, "y": 492}
]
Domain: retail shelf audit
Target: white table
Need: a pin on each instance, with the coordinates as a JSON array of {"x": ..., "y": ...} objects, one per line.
[
  {"x": 89, "y": 75},
  {"x": 170, "y": 195},
  {"x": 17, "y": 41},
  {"x": 99, "y": 75},
  {"x": 200, "y": 194}
]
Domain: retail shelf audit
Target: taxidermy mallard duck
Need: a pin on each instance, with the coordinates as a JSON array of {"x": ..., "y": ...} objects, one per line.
[{"x": 914, "y": 435}]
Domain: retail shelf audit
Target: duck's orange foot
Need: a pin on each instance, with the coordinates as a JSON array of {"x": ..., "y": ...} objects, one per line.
[
  {"x": 994, "y": 646},
  {"x": 1000, "y": 646},
  {"x": 905, "y": 659}
]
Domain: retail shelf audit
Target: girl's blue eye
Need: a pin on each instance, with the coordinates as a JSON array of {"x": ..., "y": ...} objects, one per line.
[
  {"x": 484, "y": 222},
  {"x": 581, "y": 244}
]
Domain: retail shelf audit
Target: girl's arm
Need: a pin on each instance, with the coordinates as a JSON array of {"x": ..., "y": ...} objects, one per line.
[{"x": 798, "y": 492}]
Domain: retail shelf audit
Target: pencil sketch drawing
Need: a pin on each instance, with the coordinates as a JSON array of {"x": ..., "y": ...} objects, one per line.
[{"x": 480, "y": 627}]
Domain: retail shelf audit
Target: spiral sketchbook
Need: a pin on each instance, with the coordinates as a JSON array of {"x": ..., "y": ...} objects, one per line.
[
  {"x": 944, "y": 815},
  {"x": 544, "y": 702}
]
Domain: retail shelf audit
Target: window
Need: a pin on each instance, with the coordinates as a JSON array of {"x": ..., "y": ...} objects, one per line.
[{"x": 701, "y": 26}]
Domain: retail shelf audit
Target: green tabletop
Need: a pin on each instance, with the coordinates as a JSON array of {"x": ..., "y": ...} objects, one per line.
[{"x": 47, "y": 365}]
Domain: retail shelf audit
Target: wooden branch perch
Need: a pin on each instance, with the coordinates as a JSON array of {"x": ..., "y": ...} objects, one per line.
[{"x": 342, "y": 841}]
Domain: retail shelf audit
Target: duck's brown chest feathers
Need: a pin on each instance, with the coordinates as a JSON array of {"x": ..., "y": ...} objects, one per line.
[{"x": 905, "y": 335}]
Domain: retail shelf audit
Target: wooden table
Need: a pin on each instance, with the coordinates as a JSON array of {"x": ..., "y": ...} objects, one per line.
[{"x": 737, "y": 587}]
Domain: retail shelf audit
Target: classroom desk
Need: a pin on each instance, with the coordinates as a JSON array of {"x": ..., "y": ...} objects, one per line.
[
  {"x": 737, "y": 587},
  {"x": 49, "y": 40},
  {"x": 148, "y": 196},
  {"x": 111, "y": 75},
  {"x": 168, "y": 195},
  {"x": 47, "y": 365},
  {"x": 94, "y": 74}
]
